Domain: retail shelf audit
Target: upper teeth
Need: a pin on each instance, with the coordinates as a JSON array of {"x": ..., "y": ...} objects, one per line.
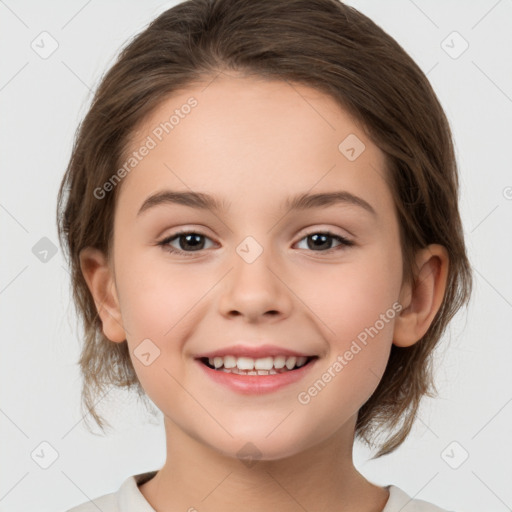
[{"x": 264, "y": 363}]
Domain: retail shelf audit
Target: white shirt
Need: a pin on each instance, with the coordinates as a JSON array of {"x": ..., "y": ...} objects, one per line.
[{"x": 129, "y": 499}]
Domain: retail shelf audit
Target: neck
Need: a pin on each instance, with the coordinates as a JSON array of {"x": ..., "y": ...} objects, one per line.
[{"x": 323, "y": 477}]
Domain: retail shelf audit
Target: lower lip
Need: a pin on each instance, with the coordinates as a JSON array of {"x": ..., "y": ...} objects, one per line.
[{"x": 256, "y": 384}]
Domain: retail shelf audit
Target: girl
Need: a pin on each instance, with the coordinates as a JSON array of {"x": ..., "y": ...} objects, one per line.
[{"x": 261, "y": 216}]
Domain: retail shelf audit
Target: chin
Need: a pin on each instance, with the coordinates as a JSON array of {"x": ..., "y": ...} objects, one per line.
[{"x": 255, "y": 444}]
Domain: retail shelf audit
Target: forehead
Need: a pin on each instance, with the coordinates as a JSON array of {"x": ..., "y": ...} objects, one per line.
[{"x": 250, "y": 139}]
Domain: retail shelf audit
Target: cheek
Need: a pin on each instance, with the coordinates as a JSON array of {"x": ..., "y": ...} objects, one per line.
[
  {"x": 357, "y": 317},
  {"x": 354, "y": 295},
  {"x": 158, "y": 304},
  {"x": 157, "y": 298}
]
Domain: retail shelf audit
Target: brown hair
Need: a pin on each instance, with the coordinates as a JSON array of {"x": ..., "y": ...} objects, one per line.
[{"x": 320, "y": 43}]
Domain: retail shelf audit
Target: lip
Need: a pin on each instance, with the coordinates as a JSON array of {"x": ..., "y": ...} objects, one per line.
[
  {"x": 256, "y": 384},
  {"x": 253, "y": 351}
]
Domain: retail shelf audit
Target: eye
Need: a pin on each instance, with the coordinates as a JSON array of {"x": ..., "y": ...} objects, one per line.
[
  {"x": 191, "y": 241},
  {"x": 185, "y": 239},
  {"x": 322, "y": 239}
]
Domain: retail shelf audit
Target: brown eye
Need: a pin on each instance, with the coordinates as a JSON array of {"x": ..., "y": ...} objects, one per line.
[
  {"x": 187, "y": 241},
  {"x": 322, "y": 241}
]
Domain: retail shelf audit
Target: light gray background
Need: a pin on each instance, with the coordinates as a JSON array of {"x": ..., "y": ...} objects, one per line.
[{"x": 41, "y": 102}]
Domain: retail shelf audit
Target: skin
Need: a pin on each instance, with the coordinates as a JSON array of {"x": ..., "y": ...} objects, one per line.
[{"x": 253, "y": 143}]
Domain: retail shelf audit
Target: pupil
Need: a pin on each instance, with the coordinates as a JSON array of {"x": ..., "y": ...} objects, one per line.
[
  {"x": 316, "y": 237},
  {"x": 188, "y": 238}
]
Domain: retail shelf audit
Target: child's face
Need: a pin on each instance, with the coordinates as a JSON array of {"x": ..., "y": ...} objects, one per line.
[{"x": 252, "y": 145}]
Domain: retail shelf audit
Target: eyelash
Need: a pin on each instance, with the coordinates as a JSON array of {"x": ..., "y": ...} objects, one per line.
[{"x": 344, "y": 242}]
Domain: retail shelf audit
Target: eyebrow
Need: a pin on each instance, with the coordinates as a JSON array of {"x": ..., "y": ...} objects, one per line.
[{"x": 301, "y": 201}]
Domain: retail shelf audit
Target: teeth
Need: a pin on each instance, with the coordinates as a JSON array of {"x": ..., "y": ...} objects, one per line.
[
  {"x": 301, "y": 361},
  {"x": 266, "y": 363},
  {"x": 290, "y": 362},
  {"x": 245, "y": 363},
  {"x": 229, "y": 362},
  {"x": 261, "y": 366},
  {"x": 259, "y": 372},
  {"x": 279, "y": 362}
]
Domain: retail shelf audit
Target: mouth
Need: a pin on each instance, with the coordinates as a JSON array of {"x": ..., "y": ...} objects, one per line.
[{"x": 270, "y": 365}]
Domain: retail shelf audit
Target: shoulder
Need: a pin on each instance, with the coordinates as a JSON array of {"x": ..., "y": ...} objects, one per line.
[
  {"x": 105, "y": 503},
  {"x": 401, "y": 501},
  {"x": 127, "y": 499}
]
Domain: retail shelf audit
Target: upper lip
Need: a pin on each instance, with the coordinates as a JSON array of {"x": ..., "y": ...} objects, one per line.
[{"x": 254, "y": 352}]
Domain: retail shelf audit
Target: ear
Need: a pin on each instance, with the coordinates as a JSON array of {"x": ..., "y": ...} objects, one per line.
[
  {"x": 100, "y": 280},
  {"x": 422, "y": 299}
]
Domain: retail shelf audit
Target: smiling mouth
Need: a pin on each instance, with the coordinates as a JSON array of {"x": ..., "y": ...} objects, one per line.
[{"x": 261, "y": 366}]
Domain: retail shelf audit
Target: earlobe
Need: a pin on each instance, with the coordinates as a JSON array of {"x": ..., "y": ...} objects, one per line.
[
  {"x": 100, "y": 281},
  {"x": 424, "y": 296}
]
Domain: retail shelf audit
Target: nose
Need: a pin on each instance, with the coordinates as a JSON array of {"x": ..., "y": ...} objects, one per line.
[{"x": 256, "y": 290}]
